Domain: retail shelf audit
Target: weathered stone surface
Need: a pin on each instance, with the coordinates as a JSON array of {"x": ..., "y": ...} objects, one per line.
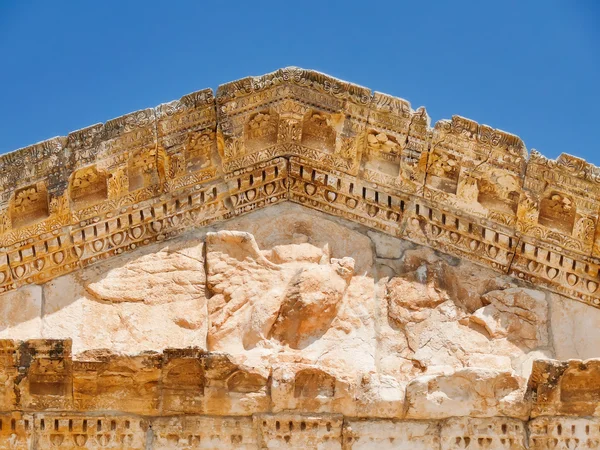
[
  {"x": 21, "y": 313},
  {"x": 563, "y": 433},
  {"x": 16, "y": 432},
  {"x": 573, "y": 329},
  {"x": 483, "y": 433},
  {"x": 569, "y": 388},
  {"x": 299, "y": 432},
  {"x": 520, "y": 315},
  {"x": 213, "y": 433},
  {"x": 311, "y": 302},
  {"x": 297, "y": 263},
  {"x": 150, "y": 300},
  {"x": 300, "y": 308},
  {"x": 90, "y": 432},
  {"x": 466, "y": 392},
  {"x": 388, "y": 435},
  {"x": 436, "y": 309}
]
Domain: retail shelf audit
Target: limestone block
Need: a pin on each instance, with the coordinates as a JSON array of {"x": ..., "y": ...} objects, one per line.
[
  {"x": 299, "y": 432},
  {"x": 570, "y": 388},
  {"x": 501, "y": 433},
  {"x": 149, "y": 300},
  {"x": 390, "y": 435},
  {"x": 182, "y": 382},
  {"x": 575, "y": 329},
  {"x": 233, "y": 389},
  {"x": 67, "y": 431},
  {"x": 16, "y": 432},
  {"x": 165, "y": 274},
  {"x": 379, "y": 396},
  {"x": 520, "y": 315},
  {"x": 118, "y": 383},
  {"x": 303, "y": 387},
  {"x": 436, "y": 314},
  {"x": 46, "y": 375},
  {"x": 564, "y": 433},
  {"x": 466, "y": 392},
  {"x": 8, "y": 373},
  {"x": 311, "y": 302},
  {"x": 302, "y": 308},
  {"x": 21, "y": 313},
  {"x": 206, "y": 432}
]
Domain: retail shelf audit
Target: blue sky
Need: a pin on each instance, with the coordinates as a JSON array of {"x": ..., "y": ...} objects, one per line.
[{"x": 528, "y": 67}]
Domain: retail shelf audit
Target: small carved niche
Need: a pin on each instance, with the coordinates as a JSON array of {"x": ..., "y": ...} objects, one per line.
[
  {"x": 443, "y": 172},
  {"x": 383, "y": 154},
  {"x": 317, "y": 131},
  {"x": 490, "y": 197},
  {"x": 558, "y": 211},
  {"x": 49, "y": 377},
  {"x": 187, "y": 375},
  {"x": 581, "y": 385},
  {"x": 261, "y": 130},
  {"x": 311, "y": 383},
  {"x": 142, "y": 169},
  {"x": 29, "y": 205},
  {"x": 88, "y": 186},
  {"x": 245, "y": 382},
  {"x": 198, "y": 151}
]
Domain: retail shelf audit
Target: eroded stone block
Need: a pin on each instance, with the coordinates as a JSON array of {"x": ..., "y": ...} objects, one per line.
[
  {"x": 297, "y": 431},
  {"x": 391, "y": 435},
  {"x": 211, "y": 433},
  {"x": 569, "y": 388},
  {"x": 117, "y": 383},
  {"x": 498, "y": 433},
  {"x": 16, "y": 431},
  {"x": 466, "y": 392},
  {"x": 564, "y": 433}
]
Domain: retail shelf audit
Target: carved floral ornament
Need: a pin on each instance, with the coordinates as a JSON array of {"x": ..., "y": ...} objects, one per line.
[{"x": 302, "y": 136}]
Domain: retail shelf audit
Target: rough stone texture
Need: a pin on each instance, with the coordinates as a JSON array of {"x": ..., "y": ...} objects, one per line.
[
  {"x": 572, "y": 329},
  {"x": 21, "y": 313},
  {"x": 211, "y": 433},
  {"x": 569, "y": 388},
  {"x": 466, "y": 392},
  {"x": 480, "y": 434},
  {"x": 148, "y": 300},
  {"x": 297, "y": 262},
  {"x": 564, "y": 433},
  {"x": 390, "y": 435}
]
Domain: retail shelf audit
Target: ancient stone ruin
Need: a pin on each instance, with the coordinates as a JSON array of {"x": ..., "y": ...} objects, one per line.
[{"x": 300, "y": 263}]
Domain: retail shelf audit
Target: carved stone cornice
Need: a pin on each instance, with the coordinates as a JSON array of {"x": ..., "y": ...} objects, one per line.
[
  {"x": 298, "y": 135},
  {"x": 182, "y": 398}
]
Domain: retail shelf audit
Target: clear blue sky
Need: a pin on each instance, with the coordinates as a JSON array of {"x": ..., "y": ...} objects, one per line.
[{"x": 528, "y": 67}]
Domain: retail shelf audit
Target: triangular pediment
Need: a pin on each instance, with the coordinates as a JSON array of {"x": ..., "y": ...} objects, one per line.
[
  {"x": 299, "y": 135},
  {"x": 297, "y": 262}
]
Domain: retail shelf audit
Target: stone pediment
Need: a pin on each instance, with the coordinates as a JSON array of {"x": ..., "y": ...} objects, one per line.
[
  {"x": 301, "y": 136},
  {"x": 297, "y": 262}
]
